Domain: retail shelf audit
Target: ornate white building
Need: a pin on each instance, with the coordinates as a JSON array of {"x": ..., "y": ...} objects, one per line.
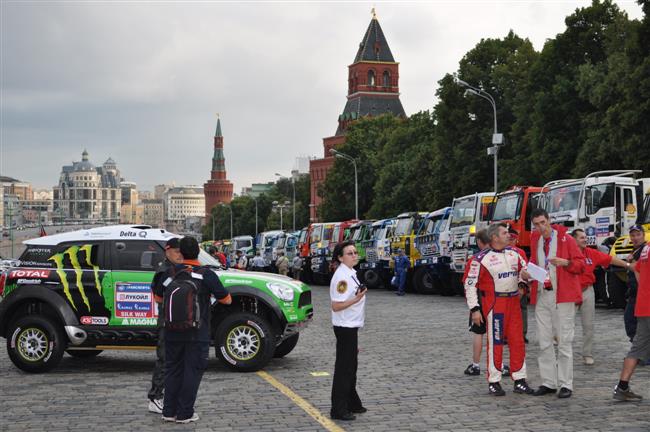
[
  {"x": 183, "y": 202},
  {"x": 86, "y": 192}
]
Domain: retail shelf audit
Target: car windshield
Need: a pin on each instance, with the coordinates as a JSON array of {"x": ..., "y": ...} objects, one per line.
[
  {"x": 507, "y": 207},
  {"x": 563, "y": 198},
  {"x": 207, "y": 260},
  {"x": 404, "y": 226},
  {"x": 463, "y": 212}
]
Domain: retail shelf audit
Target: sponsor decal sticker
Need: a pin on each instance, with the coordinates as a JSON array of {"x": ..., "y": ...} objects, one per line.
[
  {"x": 93, "y": 320},
  {"x": 602, "y": 220},
  {"x": 40, "y": 274},
  {"x": 236, "y": 281},
  {"x": 497, "y": 329},
  {"x": 29, "y": 281},
  {"x": 135, "y": 300}
]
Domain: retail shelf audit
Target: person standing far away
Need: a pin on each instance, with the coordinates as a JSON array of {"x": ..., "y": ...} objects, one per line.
[
  {"x": 187, "y": 350},
  {"x": 402, "y": 265},
  {"x": 557, "y": 252},
  {"x": 523, "y": 290},
  {"x": 483, "y": 242},
  {"x": 637, "y": 237},
  {"x": 495, "y": 275},
  {"x": 282, "y": 264},
  {"x": 348, "y": 302},
  {"x": 640, "y": 350},
  {"x": 296, "y": 266},
  {"x": 242, "y": 261},
  {"x": 219, "y": 256},
  {"x": 172, "y": 257},
  {"x": 593, "y": 259},
  {"x": 258, "y": 263}
]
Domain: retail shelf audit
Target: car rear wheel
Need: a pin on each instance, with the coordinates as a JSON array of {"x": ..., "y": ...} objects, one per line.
[
  {"x": 286, "y": 346},
  {"x": 35, "y": 344},
  {"x": 244, "y": 342}
]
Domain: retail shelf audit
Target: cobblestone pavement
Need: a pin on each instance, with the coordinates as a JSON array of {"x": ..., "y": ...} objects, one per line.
[{"x": 413, "y": 352}]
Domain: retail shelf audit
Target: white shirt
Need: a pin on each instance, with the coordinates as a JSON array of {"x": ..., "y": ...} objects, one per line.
[{"x": 343, "y": 287}]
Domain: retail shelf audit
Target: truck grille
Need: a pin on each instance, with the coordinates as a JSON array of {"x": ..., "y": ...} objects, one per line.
[
  {"x": 304, "y": 299},
  {"x": 622, "y": 246},
  {"x": 371, "y": 255}
]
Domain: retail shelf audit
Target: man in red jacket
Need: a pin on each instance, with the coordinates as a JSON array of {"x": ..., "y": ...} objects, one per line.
[
  {"x": 593, "y": 258},
  {"x": 557, "y": 252}
]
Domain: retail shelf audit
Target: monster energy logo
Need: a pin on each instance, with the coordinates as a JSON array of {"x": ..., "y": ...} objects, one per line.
[{"x": 73, "y": 254}]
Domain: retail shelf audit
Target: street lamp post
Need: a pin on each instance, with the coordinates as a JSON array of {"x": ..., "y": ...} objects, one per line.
[
  {"x": 293, "y": 187},
  {"x": 338, "y": 154},
  {"x": 281, "y": 207},
  {"x": 497, "y": 138}
]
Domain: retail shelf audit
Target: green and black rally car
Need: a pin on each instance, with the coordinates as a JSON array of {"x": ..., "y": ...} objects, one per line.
[{"x": 86, "y": 291}]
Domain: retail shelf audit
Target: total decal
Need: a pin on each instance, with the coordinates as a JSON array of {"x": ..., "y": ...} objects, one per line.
[{"x": 134, "y": 303}]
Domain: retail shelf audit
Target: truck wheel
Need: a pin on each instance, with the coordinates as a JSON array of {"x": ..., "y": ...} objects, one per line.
[
  {"x": 424, "y": 281},
  {"x": 35, "y": 344},
  {"x": 286, "y": 346},
  {"x": 449, "y": 285},
  {"x": 244, "y": 342},
  {"x": 373, "y": 278},
  {"x": 84, "y": 353}
]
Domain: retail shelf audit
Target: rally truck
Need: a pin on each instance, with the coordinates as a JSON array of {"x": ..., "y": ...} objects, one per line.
[
  {"x": 407, "y": 226},
  {"x": 87, "y": 291},
  {"x": 468, "y": 215},
  {"x": 514, "y": 207},
  {"x": 375, "y": 270},
  {"x": 359, "y": 233},
  {"x": 431, "y": 270}
]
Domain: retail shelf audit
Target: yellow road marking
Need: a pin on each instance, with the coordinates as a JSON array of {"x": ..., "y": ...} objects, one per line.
[
  {"x": 319, "y": 374},
  {"x": 306, "y": 406}
]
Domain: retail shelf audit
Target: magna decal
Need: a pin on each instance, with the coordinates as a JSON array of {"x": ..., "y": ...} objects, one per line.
[{"x": 40, "y": 274}]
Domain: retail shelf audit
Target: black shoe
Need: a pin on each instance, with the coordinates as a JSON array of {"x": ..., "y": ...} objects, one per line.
[
  {"x": 564, "y": 393},
  {"x": 359, "y": 410},
  {"x": 543, "y": 390},
  {"x": 473, "y": 370},
  {"x": 505, "y": 370},
  {"x": 521, "y": 386},
  {"x": 345, "y": 416},
  {"x": 495, "y": 389}
]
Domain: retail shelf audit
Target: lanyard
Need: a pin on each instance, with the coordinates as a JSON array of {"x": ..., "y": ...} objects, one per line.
[{"x": 546, "y": 255}]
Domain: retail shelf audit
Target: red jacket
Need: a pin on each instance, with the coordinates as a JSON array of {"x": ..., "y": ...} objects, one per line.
[
  {"x": 568, "y": 278},
  {"x": 593, "y": 258}
]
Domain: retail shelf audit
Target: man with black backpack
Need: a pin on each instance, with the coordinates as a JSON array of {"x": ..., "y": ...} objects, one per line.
[{"x": 187, "y": 331}]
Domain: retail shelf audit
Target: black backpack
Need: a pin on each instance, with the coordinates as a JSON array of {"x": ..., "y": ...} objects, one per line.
[{"x": 181, "y": 301}]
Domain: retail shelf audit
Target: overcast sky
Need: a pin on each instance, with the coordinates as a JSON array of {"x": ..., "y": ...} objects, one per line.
[{"x": 142, "y": 82}]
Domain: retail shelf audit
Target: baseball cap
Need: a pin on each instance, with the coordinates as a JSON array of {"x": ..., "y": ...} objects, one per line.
[
  {"x": 173, "y": 243},
  {"x": 637, "y": 228}
]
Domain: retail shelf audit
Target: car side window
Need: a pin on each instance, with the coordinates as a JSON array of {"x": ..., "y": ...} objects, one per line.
[{"x": 134, "y": 255}]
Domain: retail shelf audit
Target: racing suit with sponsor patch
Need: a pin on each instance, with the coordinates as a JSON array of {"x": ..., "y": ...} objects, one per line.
[{"x": 494, "y": 275}]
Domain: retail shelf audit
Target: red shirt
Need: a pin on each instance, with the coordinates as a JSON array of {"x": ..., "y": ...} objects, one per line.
[
  {"x": 593, "y": 258},
  {"x": 642, "y": 308}
]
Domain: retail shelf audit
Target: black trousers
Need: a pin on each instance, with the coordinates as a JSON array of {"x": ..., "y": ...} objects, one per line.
[
  {"x": 344, "y": 385},
  {"x": 158, "y": 376},
  {"x": 185, "y": 363}
]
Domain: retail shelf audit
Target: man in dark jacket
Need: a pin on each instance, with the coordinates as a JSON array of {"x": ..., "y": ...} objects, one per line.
[
  {"x": 553, "y": 249},
  {"x": 187, "y": 351},
  {"x": 172, "y": 257}
]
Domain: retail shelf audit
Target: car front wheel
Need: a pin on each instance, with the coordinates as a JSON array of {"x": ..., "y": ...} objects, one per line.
[
  {"x": 244, "y": 342},
  {"x": 35, "y": 344}
]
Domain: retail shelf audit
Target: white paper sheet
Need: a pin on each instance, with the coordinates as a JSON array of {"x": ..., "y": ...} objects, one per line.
[{"x": 536, "y": 272}]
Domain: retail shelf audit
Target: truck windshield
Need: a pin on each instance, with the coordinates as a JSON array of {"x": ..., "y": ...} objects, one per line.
[
  {"x": 463, "y": 212},
  {"x": 327, "y": 233},
  {"x": 242, "y": 244},
  {"x": 563, "y": 198},
  {"x": 404, "y": 226},
  {"x": 317, "y": 234},
  {"x": 357, "y": 234},
  {"x": 507, "y": 207}
]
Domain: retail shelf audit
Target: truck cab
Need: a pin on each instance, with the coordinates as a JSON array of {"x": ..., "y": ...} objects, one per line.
[
  {"x": 432, "y": 268},
  {"x": 514, "y": 207},
  {"x": 318, "y": 252},
  {"x": 359, "y": 233},
  {"x": 407, "y": 226},
  {"x": 375, "y": 269},
  {"x": 468, "y": 215}
]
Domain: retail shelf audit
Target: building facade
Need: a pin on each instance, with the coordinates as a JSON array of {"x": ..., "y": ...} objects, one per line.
[
  {"x": 183, "y": 202},
  {"x": 153, "y": 212},
  {"x": 218, "y": 189},
  {"x": 373, "y": 89},
  {"x": 88, "y": 193}
]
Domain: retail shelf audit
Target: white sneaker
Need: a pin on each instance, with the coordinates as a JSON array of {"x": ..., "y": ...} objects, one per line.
[
  {"x": 169, "y": 419},
  {"x": 194, "y": 418},
  {"x": 588, "y": 360},
  {"x": 156, "y": 406}
]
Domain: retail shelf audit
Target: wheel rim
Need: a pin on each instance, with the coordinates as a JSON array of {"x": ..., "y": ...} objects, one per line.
[
  {"x": 243, "y": 342},
  {"x": 32, "y": 344},
  {"x": 427, "y": 281}
]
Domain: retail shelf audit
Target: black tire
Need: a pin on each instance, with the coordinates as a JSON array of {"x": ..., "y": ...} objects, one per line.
[
  {"x": 449, "y": 284},
  {"x": 372, "y": 278},
  {"x": 244, "y": 342},
  {"x": 424, "y": 281},
  {"x": 286, "y": 346},
  {"x": 84, "y": 353},
  {"x": 35, "y": 344}
]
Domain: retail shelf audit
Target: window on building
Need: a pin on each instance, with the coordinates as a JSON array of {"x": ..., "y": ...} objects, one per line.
[
  {"x": 371, "y": 78},
  {"x": 386, "y": 79}
]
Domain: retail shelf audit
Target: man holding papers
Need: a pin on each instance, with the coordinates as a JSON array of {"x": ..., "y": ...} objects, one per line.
[{"x": 555, "y": 251}]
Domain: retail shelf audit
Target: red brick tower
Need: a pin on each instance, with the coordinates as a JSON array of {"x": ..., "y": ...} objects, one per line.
[
  {"x": 218, "y": 189},
  {"x": 373, "y": 89}
]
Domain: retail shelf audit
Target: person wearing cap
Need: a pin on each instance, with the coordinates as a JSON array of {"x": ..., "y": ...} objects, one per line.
[
  {"x": 640, "y": 350},
  {"x": 523, "y": 289},
  {"x": 593, "y": 259},
  {"x": 402, "y": 264},
  {"x": 637, "y": 237},
  {"x": 172, "y": 257}
]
